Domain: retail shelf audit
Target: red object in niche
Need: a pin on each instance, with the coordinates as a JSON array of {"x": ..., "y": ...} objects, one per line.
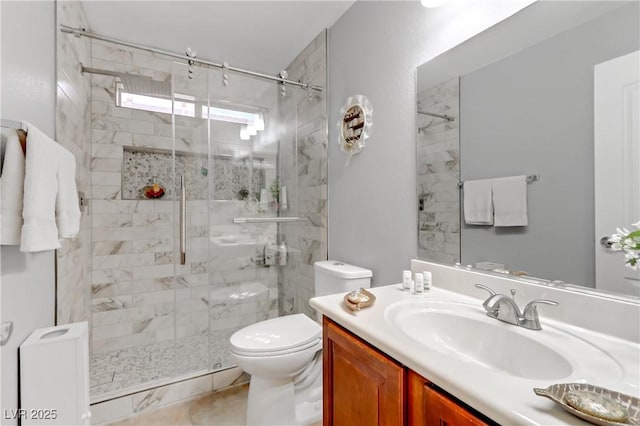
[{"x": 153, "y": 191}]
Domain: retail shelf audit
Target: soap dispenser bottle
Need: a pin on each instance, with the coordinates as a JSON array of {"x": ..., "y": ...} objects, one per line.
[{"x": 282, "y": 253}]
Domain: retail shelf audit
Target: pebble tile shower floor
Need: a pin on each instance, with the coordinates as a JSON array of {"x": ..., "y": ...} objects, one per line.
[{"x": 125, "y": 368}]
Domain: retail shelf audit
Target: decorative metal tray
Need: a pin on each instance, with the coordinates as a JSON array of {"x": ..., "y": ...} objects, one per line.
[
  {"x": 358, "y": 299},
  {"x": 558, "y": 393}
]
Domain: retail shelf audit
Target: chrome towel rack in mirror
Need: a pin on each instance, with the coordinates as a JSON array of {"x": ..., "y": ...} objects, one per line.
[
  {"x": 433, "y": 114},
  {"x": 530, "y": 179}
]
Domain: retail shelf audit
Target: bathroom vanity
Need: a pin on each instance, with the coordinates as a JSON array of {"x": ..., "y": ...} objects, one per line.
[
  {"x": 439, "y": 359},
  {"x": 372, "y": 388}
]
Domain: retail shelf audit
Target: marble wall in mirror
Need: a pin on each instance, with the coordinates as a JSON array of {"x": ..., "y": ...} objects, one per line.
[{"x": 518, "y": 99}]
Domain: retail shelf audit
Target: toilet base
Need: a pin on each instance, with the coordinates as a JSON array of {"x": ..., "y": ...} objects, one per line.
[{"x": 277, "y": 402}]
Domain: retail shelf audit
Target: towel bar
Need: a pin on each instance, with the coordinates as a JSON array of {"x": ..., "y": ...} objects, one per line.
[
  {"x": 11, "y": 124},
  {"x": 530, "y": 179},
  {"x": 238, "y": 220}
]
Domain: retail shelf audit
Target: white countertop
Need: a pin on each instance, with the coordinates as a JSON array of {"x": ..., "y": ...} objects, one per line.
[{"x": 506, "y": 399}]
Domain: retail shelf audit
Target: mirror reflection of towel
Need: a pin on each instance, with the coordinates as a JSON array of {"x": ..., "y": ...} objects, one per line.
[
  {"x": 510, "y": 201},
  {"x": 478, "y": 206}
]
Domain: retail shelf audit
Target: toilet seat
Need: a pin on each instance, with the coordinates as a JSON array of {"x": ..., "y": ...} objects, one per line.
[
  {"x": 277, "y": 336},
  {"x": 311, "y": 344}
]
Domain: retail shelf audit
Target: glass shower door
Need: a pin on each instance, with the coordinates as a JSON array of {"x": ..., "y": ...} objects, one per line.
[
  {"x": 244, "y": 184},
  {"x": 191, "y": 231},
  {"x": 227, "y": 145}
]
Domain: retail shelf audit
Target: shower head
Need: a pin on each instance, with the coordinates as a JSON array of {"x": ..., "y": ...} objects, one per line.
[
  {"x": 146, "y": 86},
  {"x": 138, "y": 84}
]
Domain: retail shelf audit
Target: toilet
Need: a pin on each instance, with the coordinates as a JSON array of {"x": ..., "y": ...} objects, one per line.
[{"x": 284, "y": 355}]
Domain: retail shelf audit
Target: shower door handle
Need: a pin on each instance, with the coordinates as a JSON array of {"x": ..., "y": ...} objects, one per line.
[{"x": 183, "y": 222}]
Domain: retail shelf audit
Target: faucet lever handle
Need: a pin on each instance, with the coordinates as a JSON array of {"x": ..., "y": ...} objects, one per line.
[
  {"x": 484, "y": 287},
  {"x": 485, "y": 304},
  {"x": 533, "y": 303},
  {"x": 530, "y": 313}
]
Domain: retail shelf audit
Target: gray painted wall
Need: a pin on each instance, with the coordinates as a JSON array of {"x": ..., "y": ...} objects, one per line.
[
  {"x": 28, "y": 93},
  {"x": 533, "y": 113},
  {"x": 374, "y": 49}
]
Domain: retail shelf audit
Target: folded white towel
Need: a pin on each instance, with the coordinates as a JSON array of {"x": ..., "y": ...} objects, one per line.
[
  {"x": 11, "y": 189},
  {"x": 39, "y": 231},
  {"x": 510, "y": 201},
  {"x": 67, "y": 203},
  {"x": 478, "y": 207}
]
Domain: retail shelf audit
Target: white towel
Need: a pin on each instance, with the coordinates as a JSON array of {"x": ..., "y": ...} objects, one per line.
[
  {"x": 11, "y": 189},
  {"x": 51, "y": 209},
  {"x": 478, "y": 207},
  {"x": 67, "y": 202},
  {"x": 39, "y": 231},
  {"x": 510, "y": 201}
]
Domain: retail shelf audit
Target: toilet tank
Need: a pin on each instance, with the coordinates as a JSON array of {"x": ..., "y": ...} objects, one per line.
[{"x": 332, "y": 276}]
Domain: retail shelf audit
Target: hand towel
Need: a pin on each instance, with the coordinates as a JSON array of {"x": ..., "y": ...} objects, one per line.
[
  {"x": 67, "y": 202},
  {"x": 510, "y": 201},
  {"x": 478, "y": 207},
  {"x": 39, "y": 231},
  {"x": 11, "y": 190}
]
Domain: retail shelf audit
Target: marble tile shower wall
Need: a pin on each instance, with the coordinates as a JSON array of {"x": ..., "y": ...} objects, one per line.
[
  {"x": 73, "y": 130},
  {"x": 138, "y": 306},
  {"x": 304, "y": 166},
  {"x": 438, "y": 173}
]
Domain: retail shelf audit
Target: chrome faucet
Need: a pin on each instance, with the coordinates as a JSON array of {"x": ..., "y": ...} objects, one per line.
[{"x": 505, "y": 308}]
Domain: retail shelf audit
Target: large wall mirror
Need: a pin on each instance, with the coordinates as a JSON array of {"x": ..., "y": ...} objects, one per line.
[{"x": 551, "y": 94}]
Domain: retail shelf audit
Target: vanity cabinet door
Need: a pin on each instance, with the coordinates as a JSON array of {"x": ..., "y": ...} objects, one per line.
[
  {"x": 362, "y": 386},
  {"x": 427, "y": 406}
]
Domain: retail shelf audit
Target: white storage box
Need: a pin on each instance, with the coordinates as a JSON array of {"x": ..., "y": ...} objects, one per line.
[{"x": 54, "y": 376}]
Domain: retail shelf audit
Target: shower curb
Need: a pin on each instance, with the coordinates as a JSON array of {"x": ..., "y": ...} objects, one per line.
[{"x": 137, "y": 402}]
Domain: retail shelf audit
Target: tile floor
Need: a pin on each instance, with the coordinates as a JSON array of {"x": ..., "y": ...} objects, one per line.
[
  {"x": 226, "y": 407},
  {"x": 222, "y": 408}
]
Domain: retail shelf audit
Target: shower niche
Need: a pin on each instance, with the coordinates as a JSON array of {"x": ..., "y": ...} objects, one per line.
[{"x": 235, "y": 178}]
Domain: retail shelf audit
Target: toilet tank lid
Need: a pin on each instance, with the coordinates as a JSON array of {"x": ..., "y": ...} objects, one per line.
[{"x": 342, "y": 270}]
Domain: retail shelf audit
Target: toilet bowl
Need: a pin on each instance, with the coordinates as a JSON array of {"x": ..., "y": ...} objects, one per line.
[{"x": 284, "y": 355}]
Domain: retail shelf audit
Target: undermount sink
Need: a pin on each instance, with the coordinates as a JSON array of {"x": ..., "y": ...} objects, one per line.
[{"x": 463, "y": 331}]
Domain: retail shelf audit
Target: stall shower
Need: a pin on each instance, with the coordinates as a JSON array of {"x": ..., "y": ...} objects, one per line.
[{"x": 195, "y": 174}]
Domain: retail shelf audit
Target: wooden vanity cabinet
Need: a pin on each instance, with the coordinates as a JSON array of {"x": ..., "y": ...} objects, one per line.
[
  {"x": 363, "y": 386},
  {"x": 427, "y": 405}
]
